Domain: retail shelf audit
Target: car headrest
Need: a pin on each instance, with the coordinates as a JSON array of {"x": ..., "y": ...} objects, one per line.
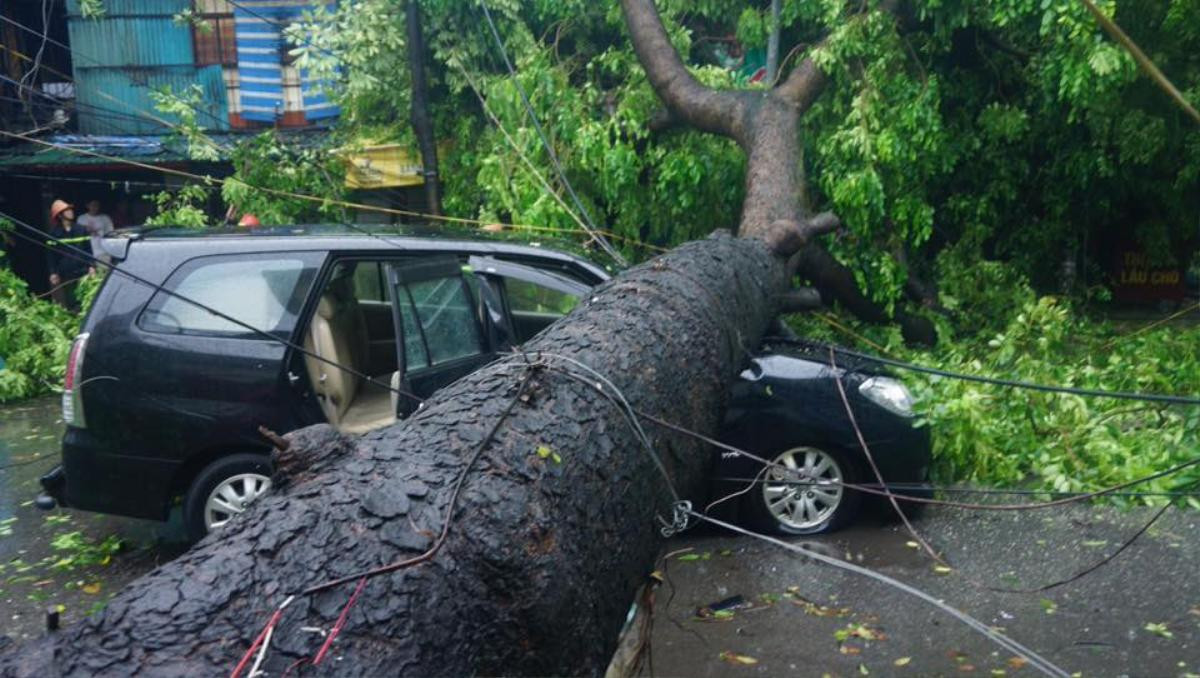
[
  {"x": 337, "y": 296},
  {"x": 328, "y": 306}
]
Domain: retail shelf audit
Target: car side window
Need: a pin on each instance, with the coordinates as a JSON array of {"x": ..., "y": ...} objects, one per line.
[
  {"x": 368, "y": 282},
  {"x": 445, "y": 312},
  {"x": 527, "y": 297},
  {"x": 264, "y": 291},
  {"x": 535, "y": 307}
]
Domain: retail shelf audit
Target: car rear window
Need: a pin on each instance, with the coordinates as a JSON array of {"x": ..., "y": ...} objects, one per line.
[{"x": 264, "y": 290}]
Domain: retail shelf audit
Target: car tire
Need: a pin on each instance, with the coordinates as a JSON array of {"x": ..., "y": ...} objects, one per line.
[
  {"x": 780, "y": 508},
  {"x": 222, "y": 490}
]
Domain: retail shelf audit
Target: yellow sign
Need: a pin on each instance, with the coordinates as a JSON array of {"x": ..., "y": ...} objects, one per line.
[{"x": 383, "y": 166}]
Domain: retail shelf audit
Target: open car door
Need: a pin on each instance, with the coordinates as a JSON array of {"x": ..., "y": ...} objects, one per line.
[
  {"x": 520, "y": 300},
  {"x": 441, "y": 337}
]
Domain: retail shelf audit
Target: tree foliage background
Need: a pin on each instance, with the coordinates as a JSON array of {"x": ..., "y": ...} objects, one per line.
[{"x": 1010, "y": 130}]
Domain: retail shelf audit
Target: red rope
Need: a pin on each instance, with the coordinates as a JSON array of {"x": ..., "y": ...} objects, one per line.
[
  {"x": 237, "y": 670},
  {"x": 294, "y": 665},
  {"x": 341, "y": 621}
]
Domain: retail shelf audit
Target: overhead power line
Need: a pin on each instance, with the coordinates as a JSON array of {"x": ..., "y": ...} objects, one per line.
[
  {"x": 73, "y": 103},
  {"x": 300, "y": 196},
  {"x": 562, "y": 175},
  {"x": 589, "y": 227},
  {"x": 1011, "y": 383}
]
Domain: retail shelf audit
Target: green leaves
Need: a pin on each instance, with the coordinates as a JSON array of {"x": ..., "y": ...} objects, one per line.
[
  {"x": 35, "y": 336},
  {"x": 1159, "y": 630},
  {"x": 544, "y": 452},
  {"x": 997, "y": 436}
]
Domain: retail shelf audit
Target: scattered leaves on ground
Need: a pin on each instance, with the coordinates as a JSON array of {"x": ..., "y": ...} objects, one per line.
[
  {"x": 813, "y": 608},
  {"x": 737, "y": 659},
  {"x": 1016, "y": 663},
  {"x": 902, "y": 661},
  {"x": 1049, "y": 606},
  {"x": 1160, "y": 630},
  {"x": 858, "y": 631}
]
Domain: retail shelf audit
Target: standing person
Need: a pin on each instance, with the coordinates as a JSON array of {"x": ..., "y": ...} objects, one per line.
[
  {"x": 67, "y": 262},
  {"x": 97, "y": 225}
]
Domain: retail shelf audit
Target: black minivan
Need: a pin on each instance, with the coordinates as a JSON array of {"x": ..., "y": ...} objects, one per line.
[{"x": 164, "y": 399}]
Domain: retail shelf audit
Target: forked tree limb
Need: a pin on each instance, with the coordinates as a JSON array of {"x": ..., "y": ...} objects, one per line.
[
  {"x": 718, "y": 111},
  {"x": 803, "y": 84}
]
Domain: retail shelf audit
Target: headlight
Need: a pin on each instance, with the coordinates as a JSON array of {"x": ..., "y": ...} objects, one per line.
[{"x": 889, "y": 394}]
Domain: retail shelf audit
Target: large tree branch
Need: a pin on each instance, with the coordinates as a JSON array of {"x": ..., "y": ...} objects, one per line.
[
  {"x": 803, "y": 85},
  {"x": 806, "y": 80},
  {"x": 720, "y": 112}
]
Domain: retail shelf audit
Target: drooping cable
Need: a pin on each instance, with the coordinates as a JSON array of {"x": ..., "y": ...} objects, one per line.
[
  {"x": 593, "y": 231},
  {"x": 1013, "y": 383},
  {"x": 77, "y": 54}
]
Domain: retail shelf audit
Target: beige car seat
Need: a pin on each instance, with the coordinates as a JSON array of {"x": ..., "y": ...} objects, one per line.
[{"x": 338, "y": 333}]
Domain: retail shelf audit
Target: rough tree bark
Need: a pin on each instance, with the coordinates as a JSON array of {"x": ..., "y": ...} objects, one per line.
[
  {"x": 422, "y": 121},
  {"x": 545, "y": 549}
]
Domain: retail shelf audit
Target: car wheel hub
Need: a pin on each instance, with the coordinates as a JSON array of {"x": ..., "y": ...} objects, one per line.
[
  {"x": 232, "y": 496},
  {"x": 804, "y": 488}
]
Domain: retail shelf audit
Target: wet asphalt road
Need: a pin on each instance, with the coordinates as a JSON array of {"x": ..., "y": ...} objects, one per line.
[
  {"x": 35, "y": 574},
  {"x": 1139, "y": 615}
]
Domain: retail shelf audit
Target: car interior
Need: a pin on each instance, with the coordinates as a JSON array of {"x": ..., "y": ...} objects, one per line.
[
  {"x": 359, "y": 334},
  {"x": 354, "y": 325}
]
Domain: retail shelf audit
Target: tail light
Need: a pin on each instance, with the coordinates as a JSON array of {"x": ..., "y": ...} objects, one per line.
[{"x": 72, "y": 397}]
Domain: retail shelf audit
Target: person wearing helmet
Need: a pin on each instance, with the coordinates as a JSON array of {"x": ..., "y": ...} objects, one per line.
[
  {"x": 69, "y": 261},
  {"x": 249, "y": 221}
]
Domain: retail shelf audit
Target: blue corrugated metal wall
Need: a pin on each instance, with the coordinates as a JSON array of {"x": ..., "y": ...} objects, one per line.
[
  {"x": 135, "y": 48},
  {"x": 259, "y": 44}
]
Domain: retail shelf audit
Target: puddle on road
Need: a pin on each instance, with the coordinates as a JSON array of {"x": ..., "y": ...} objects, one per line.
[{"x": 875, "y": 546}]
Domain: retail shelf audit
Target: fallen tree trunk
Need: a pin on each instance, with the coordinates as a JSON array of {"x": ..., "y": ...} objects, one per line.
[
  {"x": 543, "y": 556},
  {"x": 555, "y": 526}
]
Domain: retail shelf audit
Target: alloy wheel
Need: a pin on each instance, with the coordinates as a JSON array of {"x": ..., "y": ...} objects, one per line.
[
  {"x": 804, "y": 489},
  {"x": 232, "y": 496}
]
